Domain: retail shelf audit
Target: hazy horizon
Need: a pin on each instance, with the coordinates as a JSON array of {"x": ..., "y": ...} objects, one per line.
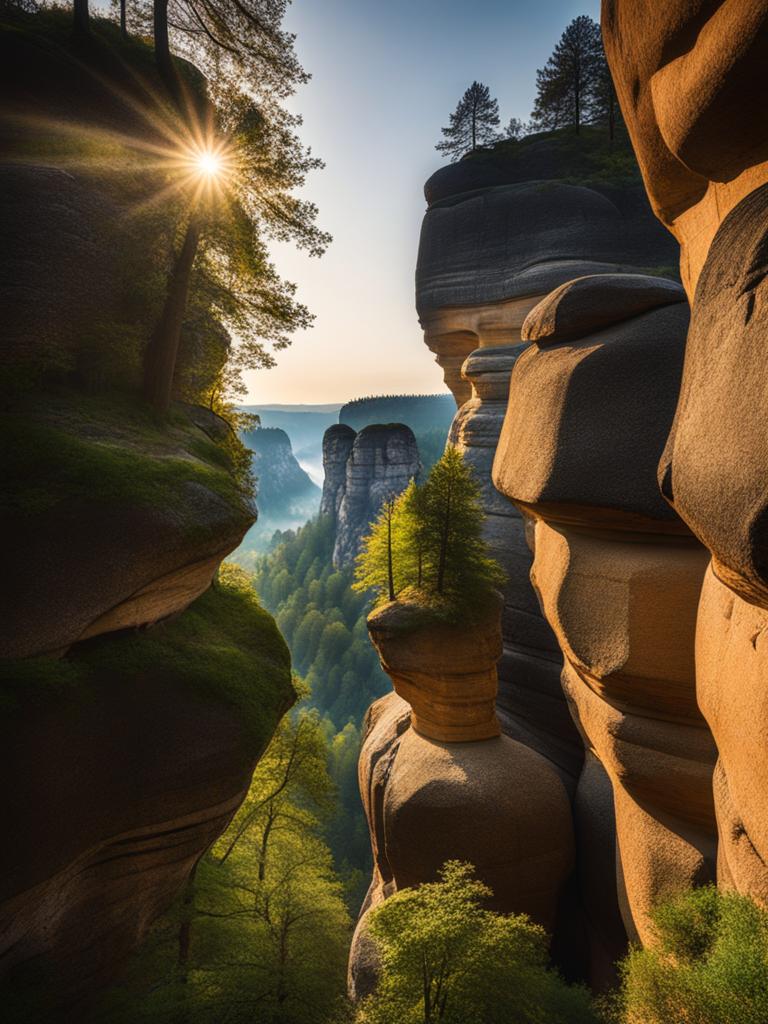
[{"x": 385, "y": 78}]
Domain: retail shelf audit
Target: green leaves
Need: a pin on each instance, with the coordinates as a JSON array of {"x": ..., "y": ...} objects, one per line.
[
  {"x": 432, "y": 537},
  {"x": 709, "y": 964},
  {"x": 446, "y": 958}
]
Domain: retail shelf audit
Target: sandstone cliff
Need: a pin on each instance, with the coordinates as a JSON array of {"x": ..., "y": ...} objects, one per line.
[
  {"x": 137, "y": 697},
  {"x": 377, "y": 463},
  {"x": 689, "y": 86}
]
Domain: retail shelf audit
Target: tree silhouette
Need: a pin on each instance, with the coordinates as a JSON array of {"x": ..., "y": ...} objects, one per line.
[
  {"x": 474, "y": 123},
  {"x": 567, "y": 85}
]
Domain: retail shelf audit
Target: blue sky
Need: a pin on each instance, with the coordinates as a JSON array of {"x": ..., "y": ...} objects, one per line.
[{"x": 386, "y": 74}]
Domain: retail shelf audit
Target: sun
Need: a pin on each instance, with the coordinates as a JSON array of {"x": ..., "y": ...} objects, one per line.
[{"x": 209, "y": 164}]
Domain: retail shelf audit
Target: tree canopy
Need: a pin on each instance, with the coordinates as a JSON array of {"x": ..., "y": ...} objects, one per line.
[
  {"x": 429, "y": 541},
  {"x": 575, "y": 87},
  {"x": 446, "y": 958},
  {"x": 474, "y": 122},
  {"x": 708, "y": 964}
]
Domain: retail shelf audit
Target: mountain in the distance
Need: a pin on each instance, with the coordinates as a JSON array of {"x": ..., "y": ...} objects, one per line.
[{"x": 286, "y": 495}]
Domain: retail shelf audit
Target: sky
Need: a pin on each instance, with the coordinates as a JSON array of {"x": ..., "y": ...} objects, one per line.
[{"x": 385, "y": 76}]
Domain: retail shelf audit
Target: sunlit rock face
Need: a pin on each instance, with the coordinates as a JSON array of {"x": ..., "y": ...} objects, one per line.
[
  {"x": 691, "y": 86},
  {"x": 337, "y": 446},
  {"x": 617, "y": 572},
  {"x": 493, "y": 244},
  {"x": 381, "y": 463},
  {"x": 440, "y": 782},
  {"x": 530, "y": 702}
]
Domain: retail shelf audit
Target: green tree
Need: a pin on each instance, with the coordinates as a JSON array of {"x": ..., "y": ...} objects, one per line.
[
  {"x": 262, "y": 931},
  {"x": 707, "y": 965},
  {"x": 446, "y": 958},
  {"x": 431, "y": 540},
  {"x": 567, "y": 84},
  {"x": 473, "y": 123}
]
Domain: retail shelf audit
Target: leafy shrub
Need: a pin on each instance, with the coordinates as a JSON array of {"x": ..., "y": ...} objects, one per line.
[
  {"x": 708, "y": 965},
  {"x": 445, "y": 958}
]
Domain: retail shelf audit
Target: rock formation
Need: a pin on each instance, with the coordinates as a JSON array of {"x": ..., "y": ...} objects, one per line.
[
  {"x": 435, "y": 776},
  {"x": 382, "y": 460},
  {"x": 337, "y": 447},
  {"x": 617, "y": 573},
  {"x": 136, "y": 697},
  {"x": 689, "y": 85},
  {"x": 496, "y": 238}
]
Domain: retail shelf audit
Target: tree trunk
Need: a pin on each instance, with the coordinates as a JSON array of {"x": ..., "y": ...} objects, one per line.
[
  {"x": 162, "y": 48},
  {"x": 577, "y": 98},
  {"x": 444, "y": 545},
  {"x": 160, "y": 357},
  {"x": 123, "y": 25},
  {"x": 390, "y": 574},
  {"x": 82, "y": 18}
]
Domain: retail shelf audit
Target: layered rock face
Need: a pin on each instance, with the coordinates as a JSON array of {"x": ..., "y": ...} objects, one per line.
[
  {"x": 337, "y": 447},
  {"x": 382, "y": 461},
  {"x": 689, "y": 85},
  {"x": 125, "y": 749},
  {"x": 493, "y": 244},
  {"x": 435, "y": 776},
  {"x": 530, "y": 702},
  {"x": 617, "y": 572}
]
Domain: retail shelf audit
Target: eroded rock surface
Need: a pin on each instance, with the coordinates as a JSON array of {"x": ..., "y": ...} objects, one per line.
[
  {"x": 381, "y": 463},
  {"x": 436, "y": 780},
  {"x": 493, "y": 244},
  {"x": 617, "y": 573},
  {"x": 337, "y": 447},
  {"x": 690, "y": 84},
  {"x": 530, "y": 701}
]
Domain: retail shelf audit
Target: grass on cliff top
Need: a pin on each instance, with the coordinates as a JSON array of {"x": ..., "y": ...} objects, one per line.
[
  {"x": 225, "y": 647},
  {"x": 415, "y": 609},
  {"x": 109, "y": 448},
  {"x": 589, "y": 158}
]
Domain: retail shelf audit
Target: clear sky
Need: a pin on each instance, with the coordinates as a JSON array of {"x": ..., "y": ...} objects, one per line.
[{"x": 385, "y": 76}]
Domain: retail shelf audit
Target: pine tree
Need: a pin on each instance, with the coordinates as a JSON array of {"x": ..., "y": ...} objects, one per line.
[
  {"x": 474, "y": 123},
  {"x": 605, "y": 108},
  {"x": 567, "y": 85},
  {"x": 429, "y": 541}
]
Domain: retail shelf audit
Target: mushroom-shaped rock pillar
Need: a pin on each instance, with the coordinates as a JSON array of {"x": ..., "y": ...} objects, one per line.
[
  {"x": 439, "y": 782},
  {"x": 691, "y": 82},
  {"x": 617, "y": 573}
]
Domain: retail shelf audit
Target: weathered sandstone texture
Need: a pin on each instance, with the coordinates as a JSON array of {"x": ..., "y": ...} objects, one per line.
[
  {"x": 337, "y": 447},
  {"x": 690, "y": 82},
  {"x": 530, "y": 702},
  {"x": 118, "y": 787},
  {"x": 491, "y": 801},
  {"x": 382, "y": 461},
  {"x": 493, "y": 244},
  {"x": 617, "y": 572}
]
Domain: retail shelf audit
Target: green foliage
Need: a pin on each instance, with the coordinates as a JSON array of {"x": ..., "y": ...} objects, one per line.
[
  {"x": 445, "y": 958},
  {"x": 474, "y": 122},
  {"x": 428, "y": 542},
  {"x": 261, "y": 933},
  {"x": 323, "y": 622},
  {"x": 572, "y": 86},
  {"x": 708, "y": 964},
  {"x": 110, "y": 448},
  {"x": 225, "y": 648}
]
